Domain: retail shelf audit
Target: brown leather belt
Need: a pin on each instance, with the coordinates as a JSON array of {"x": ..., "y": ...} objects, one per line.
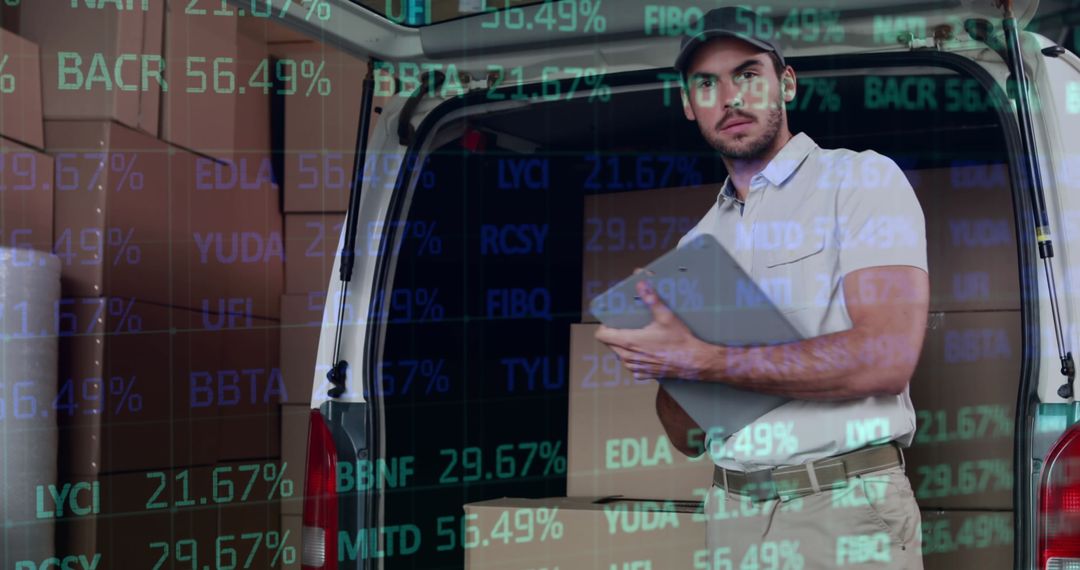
[{"x": 796, "y": 480}]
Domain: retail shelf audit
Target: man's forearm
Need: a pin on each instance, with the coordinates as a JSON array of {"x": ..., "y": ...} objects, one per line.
[
  {"x": 838, "y": 366},
  {"x": 678, "y": 425}
]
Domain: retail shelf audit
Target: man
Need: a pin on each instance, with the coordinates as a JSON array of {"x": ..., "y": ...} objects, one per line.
[{"x": 838, "y": 237}]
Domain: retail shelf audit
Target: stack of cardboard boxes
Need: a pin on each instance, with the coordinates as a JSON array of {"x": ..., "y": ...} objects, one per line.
[
  {"x": 320, "y": 143},
  {"x": 633, "y": 500},
  {"x": 136, "y": 145}
]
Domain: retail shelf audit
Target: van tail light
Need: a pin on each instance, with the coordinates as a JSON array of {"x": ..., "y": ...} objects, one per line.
[
  {"x": 320, "y": 530},
  {"x": 1059, "y": 505}
]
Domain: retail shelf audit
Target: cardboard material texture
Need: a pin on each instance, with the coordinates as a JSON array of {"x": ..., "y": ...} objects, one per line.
[
  {"x": 82, "y": 48},
  {"x": 136, "y": 508},
  {"x": 125, "y": 519},
  {"x": 964, "y": 392},
  {"x": 967, "y": 539},
  {"x": 201, "y": 52},
  {"x": 153, "y": 387},
  {"x": 252, "y": 105},
  {"x": 625, "y": 230},
  {"x": 617, "y": 445},
  {"x": 249, "y": 419},
  {"x": 970, "y": 236},
  {"x": 273, "y": 30},
  {"x": 581, "y": 533},
  {"x": 311, "y": 245},
  {"x": 137, "y": 218},
  {"x": 301, "y": 324},
  {"x": 26, "y": 199},
  {"x": 20, "y": 91},
  {"x": 294, "y": 430},
  {"x": 294, "y": 525},
  {"x": 320, "y": 127}
]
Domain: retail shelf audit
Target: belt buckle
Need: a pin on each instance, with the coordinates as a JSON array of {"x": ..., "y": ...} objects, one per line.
[{"x": 760, "y": 484}]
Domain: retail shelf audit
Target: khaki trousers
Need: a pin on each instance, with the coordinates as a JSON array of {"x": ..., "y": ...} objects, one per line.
[{"x": 873, "y": 522}]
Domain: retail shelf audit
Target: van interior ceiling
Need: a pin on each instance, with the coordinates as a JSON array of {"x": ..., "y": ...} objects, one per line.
[{"x": 505, "y": 335}]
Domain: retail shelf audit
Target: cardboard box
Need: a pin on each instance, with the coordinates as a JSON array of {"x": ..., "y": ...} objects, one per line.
[
  {"x": 272, "y": 31},
  {"x": 582, "y": 533},
  {"x": 137, "y": 218},
  {"x": 626, "y": 230},
  {"x": 311, "y": 246},
  {"x": 293, "y": 525},
  {"x": 249, "y": 419},
  {"x": 26, "y": 198},
  {"x": 964, "y": 392},
  {"x": 80, "y": 50},
  {"x": 154, "y": 508},
  {"x": 150, "y": 387},
  {"x": 970, "y": 236},
  {"x": 616, "y": 443},
  {"x": 294, "y": 432},
  {"x": 252, "y": 105},
  {"x": 301, "y": 325},
  {"x": 321, "y": 127},
  {"x": 125, "y": 519},
  {"x": 204, "y": 77},
  {"x": 967, "y": 539},
  {"x": 20, "y": 91}
]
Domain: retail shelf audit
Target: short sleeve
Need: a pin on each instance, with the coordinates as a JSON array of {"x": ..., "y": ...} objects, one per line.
[{"x": 879, "y": 219}]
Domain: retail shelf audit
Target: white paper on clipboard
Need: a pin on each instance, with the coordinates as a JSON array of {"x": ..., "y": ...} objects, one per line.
[{"x": 720, "y": 304}]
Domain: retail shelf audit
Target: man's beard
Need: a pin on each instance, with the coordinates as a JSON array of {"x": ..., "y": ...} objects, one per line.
[{"x": 746, "y": 148}]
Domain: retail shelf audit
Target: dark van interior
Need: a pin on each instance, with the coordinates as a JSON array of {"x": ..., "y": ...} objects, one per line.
[{"x": 506, "y": 298}]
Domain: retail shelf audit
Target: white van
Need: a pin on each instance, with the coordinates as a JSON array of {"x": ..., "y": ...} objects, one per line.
[{"x": 475, "y": 253}]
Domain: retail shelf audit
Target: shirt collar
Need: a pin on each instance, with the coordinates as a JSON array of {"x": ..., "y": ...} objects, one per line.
[
  {"x": 779, "y": 169},
  {"x": 784, "y": 164}
]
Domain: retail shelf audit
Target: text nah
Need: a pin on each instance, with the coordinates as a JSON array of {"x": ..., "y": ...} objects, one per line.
[
  {"x": 243, "y": 247},
  {"x": 142, "y": 5},
  {"x": 140, "y": 69},
  {"x": 641, "y": 516},
  {"x": 973, "y": 345},
  {"x": 243, "y": 174},
  {"x": 627, "y": 453},
  {"x": 66, "y": 563},
  {"x": 888, "y": 29},
  {"x": 513, "y": 239}
]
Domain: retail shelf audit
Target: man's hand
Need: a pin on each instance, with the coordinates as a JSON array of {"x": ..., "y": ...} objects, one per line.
[{"x": 666, "y": 347}]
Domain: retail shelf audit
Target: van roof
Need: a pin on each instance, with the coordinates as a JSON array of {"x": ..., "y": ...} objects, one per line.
[{"x": 529, "y": 33}]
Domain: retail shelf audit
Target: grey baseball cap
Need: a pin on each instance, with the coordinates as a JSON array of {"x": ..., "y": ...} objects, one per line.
[{"x": 729, "y": 21}]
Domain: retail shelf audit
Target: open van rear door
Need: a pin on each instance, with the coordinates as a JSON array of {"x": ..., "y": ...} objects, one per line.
[{"x": 466, "y": 41}]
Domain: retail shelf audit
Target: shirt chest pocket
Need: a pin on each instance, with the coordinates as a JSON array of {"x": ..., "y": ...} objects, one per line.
[{"x": 789, "y": 276}]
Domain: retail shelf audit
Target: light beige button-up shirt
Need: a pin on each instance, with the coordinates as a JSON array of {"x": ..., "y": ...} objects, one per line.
[{"x": 811, "y": 217}]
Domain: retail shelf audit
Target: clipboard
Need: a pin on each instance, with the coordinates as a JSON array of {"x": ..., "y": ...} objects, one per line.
[{"x": 705, "y": 286}]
